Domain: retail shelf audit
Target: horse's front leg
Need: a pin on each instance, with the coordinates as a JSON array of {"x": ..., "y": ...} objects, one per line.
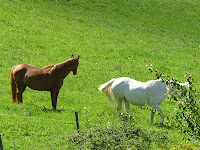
[
  {"x": 155, "y": 105},
  {"x": 54, "y": 96},
  {"x": 160, "y": 110}
]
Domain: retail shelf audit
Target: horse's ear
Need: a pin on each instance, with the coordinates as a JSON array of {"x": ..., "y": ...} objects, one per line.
[
  {"x": 72, "y": 56},
  {"x": 78, "y": 57}
]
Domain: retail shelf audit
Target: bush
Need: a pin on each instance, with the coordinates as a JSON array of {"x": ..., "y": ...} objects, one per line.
[{"x": 124, "y": 136}]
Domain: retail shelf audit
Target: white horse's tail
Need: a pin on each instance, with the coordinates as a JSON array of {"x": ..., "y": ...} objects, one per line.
[{"x": 106, "y": 89}]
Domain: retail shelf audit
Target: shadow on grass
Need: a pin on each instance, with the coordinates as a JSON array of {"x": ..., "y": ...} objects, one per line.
[{"x": 44, "y": 109}]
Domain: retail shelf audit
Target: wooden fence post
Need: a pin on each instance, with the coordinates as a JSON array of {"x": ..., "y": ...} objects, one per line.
[
  {"x": 1, "y": 145},
  {"x": 77, "y": 122}
]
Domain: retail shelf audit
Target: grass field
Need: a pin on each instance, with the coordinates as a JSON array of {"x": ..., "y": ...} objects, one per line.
[{"x": 113, "y": 39}]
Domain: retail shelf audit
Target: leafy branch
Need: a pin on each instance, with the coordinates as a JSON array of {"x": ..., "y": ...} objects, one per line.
[{"x": 187, "y": 116}]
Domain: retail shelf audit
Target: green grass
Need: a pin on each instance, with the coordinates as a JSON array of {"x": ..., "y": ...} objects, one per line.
[{"x": 113, "y": 39}]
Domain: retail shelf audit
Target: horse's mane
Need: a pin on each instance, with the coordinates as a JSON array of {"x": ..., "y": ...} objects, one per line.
[{"x": 60, "y": 66}]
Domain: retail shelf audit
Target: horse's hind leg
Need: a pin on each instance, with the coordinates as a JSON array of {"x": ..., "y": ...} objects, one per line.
[
  {"x": 119, "y": 106},
  {"x": 152, "y": 115},
  {"x": 126, "y": 105},
  {"x": 21, "y": 88}
]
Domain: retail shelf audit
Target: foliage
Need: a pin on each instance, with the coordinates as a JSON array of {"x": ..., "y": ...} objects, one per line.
[
  {"x": 187, "y": 117},
  {"x": 123, "y": 136}
]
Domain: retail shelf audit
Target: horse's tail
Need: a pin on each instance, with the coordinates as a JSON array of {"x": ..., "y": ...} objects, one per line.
[
  {"x": 13, "y": 86},
  {"x": 106, "y": 89}
]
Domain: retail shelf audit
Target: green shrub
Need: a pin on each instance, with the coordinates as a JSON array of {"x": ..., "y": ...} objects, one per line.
[{"x": 122, "y": 136}]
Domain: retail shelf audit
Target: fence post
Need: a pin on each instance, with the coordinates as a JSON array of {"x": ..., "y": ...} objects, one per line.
[
  {"x": 1, "y": 145},
  {"x": 77, "y": 122}
]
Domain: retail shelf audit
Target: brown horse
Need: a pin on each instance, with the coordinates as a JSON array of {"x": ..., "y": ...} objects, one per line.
[{"x": 49, "y": 78}]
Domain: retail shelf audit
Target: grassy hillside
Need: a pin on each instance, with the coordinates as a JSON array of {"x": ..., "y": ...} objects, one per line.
[{"x": 113, "y": 39}]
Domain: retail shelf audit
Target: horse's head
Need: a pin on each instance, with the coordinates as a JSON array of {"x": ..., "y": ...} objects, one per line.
[
  {"x": 76, "y": 63},
  {"x": 173, "y": 90}
]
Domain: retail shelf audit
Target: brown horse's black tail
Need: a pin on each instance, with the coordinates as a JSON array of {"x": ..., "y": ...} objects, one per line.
[{"x": 13, "y": 86}]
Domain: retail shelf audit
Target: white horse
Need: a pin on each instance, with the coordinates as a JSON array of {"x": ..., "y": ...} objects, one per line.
[{"x": 138, "y": 93}]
